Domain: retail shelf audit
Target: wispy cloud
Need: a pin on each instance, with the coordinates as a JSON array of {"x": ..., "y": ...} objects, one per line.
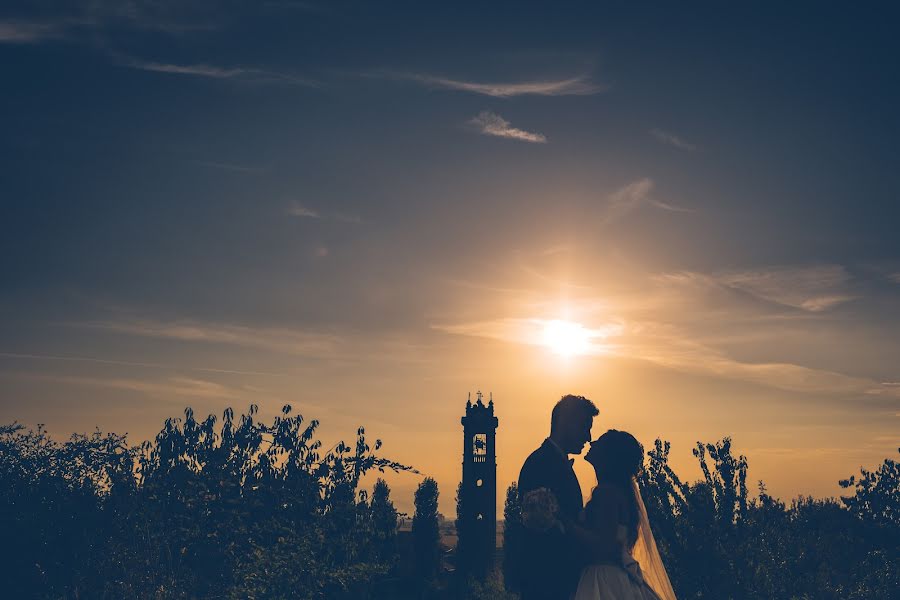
[
  {"x": 295, "y": 209},
  {"x": 528, "y": 331},
  {"x": 672, "y": 140},
  {"x": 895, "y": 277},
  {"x": 573, "y": 86},
  {"x": 305, "y": 343},
  {"x": 633, "y": 196},
  {"x": 30, "y": 32},
  {"x": 489, "y": 123},
  {"x": 164, "y": 388},
  {"x": 669, "y": 347},
  {"x": 248, "y": 75},
  {"x": 80, "y": 21},
  {"x": 126, "y": 363},
  {"x": 298, "y": 210},
  {"x": 812, "y": 288}
]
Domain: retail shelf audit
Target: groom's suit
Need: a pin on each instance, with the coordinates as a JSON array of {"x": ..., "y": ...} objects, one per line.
[{"x": 551, "y": 562}]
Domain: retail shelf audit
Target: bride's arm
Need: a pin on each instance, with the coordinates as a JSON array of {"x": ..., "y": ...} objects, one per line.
[{"x": 598, "y": 535}]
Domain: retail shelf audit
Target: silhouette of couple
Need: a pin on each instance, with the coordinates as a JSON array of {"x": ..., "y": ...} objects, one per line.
[{"x": 604, "y": 550}]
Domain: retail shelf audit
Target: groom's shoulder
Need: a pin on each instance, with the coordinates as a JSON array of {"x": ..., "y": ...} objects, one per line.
[{"x": 535, "y": 465}]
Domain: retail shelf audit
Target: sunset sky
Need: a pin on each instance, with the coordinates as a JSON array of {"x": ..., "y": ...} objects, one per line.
[{"x": 370, "y": 210}]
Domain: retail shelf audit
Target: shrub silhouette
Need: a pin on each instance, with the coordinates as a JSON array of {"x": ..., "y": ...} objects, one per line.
[
  {"x": 718, "y": 543},
  {"x": 250, "y": 510}
]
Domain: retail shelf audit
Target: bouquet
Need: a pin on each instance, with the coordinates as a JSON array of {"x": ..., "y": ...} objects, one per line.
[{"x": 540, "y": 510}]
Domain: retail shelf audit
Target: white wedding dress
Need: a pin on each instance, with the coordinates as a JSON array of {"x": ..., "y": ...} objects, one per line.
[{"x": 641, "y": 576}]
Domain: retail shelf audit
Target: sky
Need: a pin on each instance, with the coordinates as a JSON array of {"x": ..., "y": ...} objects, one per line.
[{"x": 371, "y": 210}]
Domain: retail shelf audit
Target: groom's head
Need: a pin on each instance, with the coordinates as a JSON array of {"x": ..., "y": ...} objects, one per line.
[{"x": 570, "y": 422}]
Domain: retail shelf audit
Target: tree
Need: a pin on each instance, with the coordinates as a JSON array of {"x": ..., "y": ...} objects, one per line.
[
  {"x": 512, "y": 537},
  {"x": 425, "y": 531},
  {"x": 462, "y": 531},
  {"x": 252, "y": 510},
  {"x": 384, "y": 520},
  {"x": 877, "y": 494}
]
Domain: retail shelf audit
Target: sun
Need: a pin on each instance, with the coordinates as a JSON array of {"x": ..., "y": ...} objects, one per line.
[{"x": 566, "y": 338}]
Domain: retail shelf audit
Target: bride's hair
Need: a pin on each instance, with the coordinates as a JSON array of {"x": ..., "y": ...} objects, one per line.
[{"x": 617, "y": 457}]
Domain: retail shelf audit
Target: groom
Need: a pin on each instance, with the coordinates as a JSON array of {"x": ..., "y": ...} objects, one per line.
[{"x": 551, "y": 561}]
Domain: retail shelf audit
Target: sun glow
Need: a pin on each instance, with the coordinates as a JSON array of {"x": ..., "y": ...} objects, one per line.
[{"x": 566, "y": 338}]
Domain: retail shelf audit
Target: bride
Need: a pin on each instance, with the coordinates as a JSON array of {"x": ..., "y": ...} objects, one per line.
[{"x": 626, "y": 564}]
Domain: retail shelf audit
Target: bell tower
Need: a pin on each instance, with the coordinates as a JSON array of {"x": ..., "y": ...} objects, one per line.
[{"x": 478, "y": 491}]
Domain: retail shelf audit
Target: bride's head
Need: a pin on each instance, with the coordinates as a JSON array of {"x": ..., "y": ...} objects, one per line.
[{"x": 616, "y": 456}]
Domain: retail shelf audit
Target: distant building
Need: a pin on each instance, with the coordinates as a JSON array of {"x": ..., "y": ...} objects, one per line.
[{"x": 477, "y": 526}]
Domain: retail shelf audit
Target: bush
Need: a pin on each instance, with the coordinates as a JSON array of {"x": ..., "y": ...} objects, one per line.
[{"x": 250, "y": 511}]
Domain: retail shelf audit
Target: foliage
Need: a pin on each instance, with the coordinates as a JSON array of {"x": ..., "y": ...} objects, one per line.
[
  {"x": 249, "y": 511},
  {"x": 512, "y": 536},
  {"x": 877, "y": 496},
  {"x": 425, "y": 530},
  {"x": 718, "y": 543}
]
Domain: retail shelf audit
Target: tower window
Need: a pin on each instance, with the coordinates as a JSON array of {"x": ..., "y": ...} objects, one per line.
[{"x": 479, "y": 444}]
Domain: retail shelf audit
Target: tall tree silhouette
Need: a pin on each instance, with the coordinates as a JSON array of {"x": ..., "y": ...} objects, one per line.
[
  {"x": 384, "y": 520},
  {"x": 512, "y": 537},
  {"x": 425, "y": 531}
]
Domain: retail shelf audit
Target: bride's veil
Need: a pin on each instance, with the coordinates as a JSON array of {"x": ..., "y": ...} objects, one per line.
[{"x": 647, "y": 555}]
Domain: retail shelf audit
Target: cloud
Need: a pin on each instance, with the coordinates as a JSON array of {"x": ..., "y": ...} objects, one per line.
[
  {"x": 528, "y": 332},
  {"x": 215, "y": 72},
  {"x": 633, "y": 196},
  {"x": 22, "y": 32},
  {"x": 573, "y": 86},
  {"x": 304, "y": 343},
  {"x": 672, "y": 140},
  {"x": 895, "y": 277},
  {"x": 668, "y": 346},
  {"x": 304, "y": 212},
  {"x": 298, "y": 210},
  {"x": 125, "y": 363},
  {"x": 165, "y": 388},
  {"x": 81, "y": 21},
  {"x": 489, "y": 123},
  {"x": 810, "y": 288}
]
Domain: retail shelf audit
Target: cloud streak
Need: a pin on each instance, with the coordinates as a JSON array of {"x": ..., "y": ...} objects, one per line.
[
  {"x": 633, "y": 196},
  {"x": 298, "y": 210},
  {"x": 811, "y": 288},
  {"x": 165, "y": 388},
  {"x": 125, "y": 363},
  {"x": 573, "y": 86},
  {"x": 248, "y": 75},
  {"x": 671, "y": 139},
  {"x": 667, "y": 346},
  {"x": 492, "y": 124},
  {"x": 25, "y": 32},
  {"x": 303, "y": 343},
  {"x": 528, "y": 332}
]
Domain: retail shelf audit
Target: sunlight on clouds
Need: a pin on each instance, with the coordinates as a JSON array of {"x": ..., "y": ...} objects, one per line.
[
  {"x": 492, "y": 124},
  {"x": 566, "y": 338},
  {"x": 562, "y": 337}
]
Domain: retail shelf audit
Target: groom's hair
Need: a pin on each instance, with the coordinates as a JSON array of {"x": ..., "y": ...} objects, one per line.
[{"x": 571, "y": 407}]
